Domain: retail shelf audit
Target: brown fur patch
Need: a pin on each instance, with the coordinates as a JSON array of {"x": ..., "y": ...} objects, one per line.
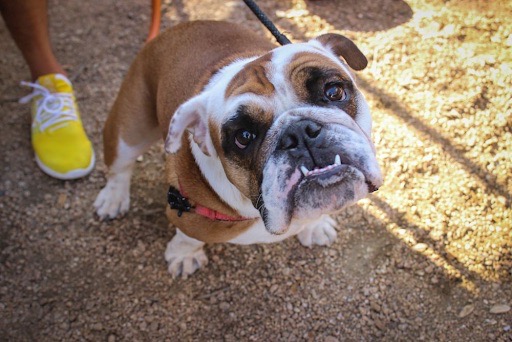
[
  {"x": 131, "y": 117},
  {"x": 300, "y": 70},
  {"x": 307, "y": 66},
  {"x": 252, "y": 79}
]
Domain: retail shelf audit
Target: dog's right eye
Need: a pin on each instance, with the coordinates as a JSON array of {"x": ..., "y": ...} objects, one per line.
[{"x": 243, "y": 138}]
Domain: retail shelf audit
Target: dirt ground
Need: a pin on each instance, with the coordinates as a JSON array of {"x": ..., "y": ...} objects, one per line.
[{"x": 427, "y": 257}]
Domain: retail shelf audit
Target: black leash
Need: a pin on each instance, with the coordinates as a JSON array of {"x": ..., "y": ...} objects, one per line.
[{"x": 281, "y": 38}]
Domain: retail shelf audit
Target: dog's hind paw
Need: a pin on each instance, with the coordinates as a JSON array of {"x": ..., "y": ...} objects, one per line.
[
  {"x": 184, "y": 255},
  {"x": 321, "y": 232}
]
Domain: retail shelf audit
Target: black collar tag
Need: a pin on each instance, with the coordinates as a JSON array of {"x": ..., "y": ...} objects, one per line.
[{"x": 177, "y": 201}]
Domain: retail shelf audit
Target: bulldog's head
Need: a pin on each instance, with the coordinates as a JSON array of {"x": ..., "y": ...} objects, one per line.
[{"x": 291, "y": 129}]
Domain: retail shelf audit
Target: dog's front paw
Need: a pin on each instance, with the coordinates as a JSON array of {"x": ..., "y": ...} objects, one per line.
[
  {"x": 184, "y": 265},
  {"x": 112, "y": 201},
  {"x": 184, "y": 255},
  {"x": 321, "y": 232}
]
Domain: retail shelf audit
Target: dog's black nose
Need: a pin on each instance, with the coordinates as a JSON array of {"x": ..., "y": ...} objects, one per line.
[{"x": 305, "y": 132}]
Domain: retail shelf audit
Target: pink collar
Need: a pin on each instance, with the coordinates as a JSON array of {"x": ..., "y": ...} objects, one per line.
[
  {"x": 215, "y": 215},
  {"x": 178, "y": 200}
]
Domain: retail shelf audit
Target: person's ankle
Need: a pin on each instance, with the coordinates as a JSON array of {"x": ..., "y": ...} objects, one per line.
[{"x": 36, "y": 73}]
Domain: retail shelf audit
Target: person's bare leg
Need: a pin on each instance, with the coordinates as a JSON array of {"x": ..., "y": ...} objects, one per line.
[
  {"x": 27, "y": 21},
  {"x": 61, "y": 146}
]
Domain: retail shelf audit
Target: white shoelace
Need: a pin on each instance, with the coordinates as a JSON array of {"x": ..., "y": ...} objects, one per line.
[{"x": 52, "y": 108}]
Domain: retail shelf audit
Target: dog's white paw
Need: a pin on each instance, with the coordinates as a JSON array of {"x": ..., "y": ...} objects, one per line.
[
  {"x": 321, "y": 232},
  {"x": 112, "y": 202},
  {"x": 184, "y": 255},
  {"x": 185, "y": 265},
  {"x": 114, "y": 199}
]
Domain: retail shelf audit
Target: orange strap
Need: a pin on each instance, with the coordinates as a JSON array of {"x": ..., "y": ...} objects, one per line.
[{"x": 155, "y": 19}]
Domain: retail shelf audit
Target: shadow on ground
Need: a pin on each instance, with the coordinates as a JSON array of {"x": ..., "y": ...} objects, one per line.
[{"x": 394, "y": 274}]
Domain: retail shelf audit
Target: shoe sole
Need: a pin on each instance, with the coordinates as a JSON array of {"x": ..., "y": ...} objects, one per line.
[{"x": 75, "y": 174}]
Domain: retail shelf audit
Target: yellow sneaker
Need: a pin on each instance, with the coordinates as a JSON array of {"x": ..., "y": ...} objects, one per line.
[{"x": 61, "y": 146}]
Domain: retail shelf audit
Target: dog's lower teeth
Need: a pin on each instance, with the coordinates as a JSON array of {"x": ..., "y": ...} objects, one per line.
[
  {"x": 317, "y": 171},
  {"x": 337, "y": 160}
]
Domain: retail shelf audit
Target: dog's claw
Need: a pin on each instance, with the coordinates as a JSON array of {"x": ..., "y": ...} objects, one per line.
[
  {"x": 111, "y": 203},
  {"x": 185, "y": 265},
  {"x": 184, "y": 255}
]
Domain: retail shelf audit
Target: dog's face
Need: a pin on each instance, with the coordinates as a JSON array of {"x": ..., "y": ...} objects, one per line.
[{"x": 291, "y": 129}]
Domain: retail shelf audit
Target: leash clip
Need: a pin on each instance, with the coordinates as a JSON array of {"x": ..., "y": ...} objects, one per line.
[{"x": 177, "y": 201}]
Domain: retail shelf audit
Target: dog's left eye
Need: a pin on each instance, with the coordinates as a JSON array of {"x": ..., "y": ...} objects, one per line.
[
  {"x": 335, "y": 92},
  {"x": 243, "y": 138}
]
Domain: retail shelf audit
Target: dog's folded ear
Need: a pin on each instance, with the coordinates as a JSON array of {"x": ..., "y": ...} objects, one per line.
[
  {"x": 190, "y": 116},
  {"x": 344, "y": 47}
]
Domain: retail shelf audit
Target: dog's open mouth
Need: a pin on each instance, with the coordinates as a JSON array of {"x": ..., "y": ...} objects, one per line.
[
  {"x": 330, "y": 176},
  {"x": 323, "y": 172},
  {"x": 305, "y": 192},
  {"x": 327, "y": 172},
  {"x": 328, "y": 188}
]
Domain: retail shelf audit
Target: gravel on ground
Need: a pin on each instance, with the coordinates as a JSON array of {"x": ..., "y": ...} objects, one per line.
[{"x": 427, "y": 257}]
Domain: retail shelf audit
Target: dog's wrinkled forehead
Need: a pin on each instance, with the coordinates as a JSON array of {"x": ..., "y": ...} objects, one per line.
[
  {"x": 280, "y": 78},
  {"x": 295, "y": 67}
]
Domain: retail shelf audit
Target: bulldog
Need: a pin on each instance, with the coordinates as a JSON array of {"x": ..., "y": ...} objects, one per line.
[{"x": 262, "y": 142}]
